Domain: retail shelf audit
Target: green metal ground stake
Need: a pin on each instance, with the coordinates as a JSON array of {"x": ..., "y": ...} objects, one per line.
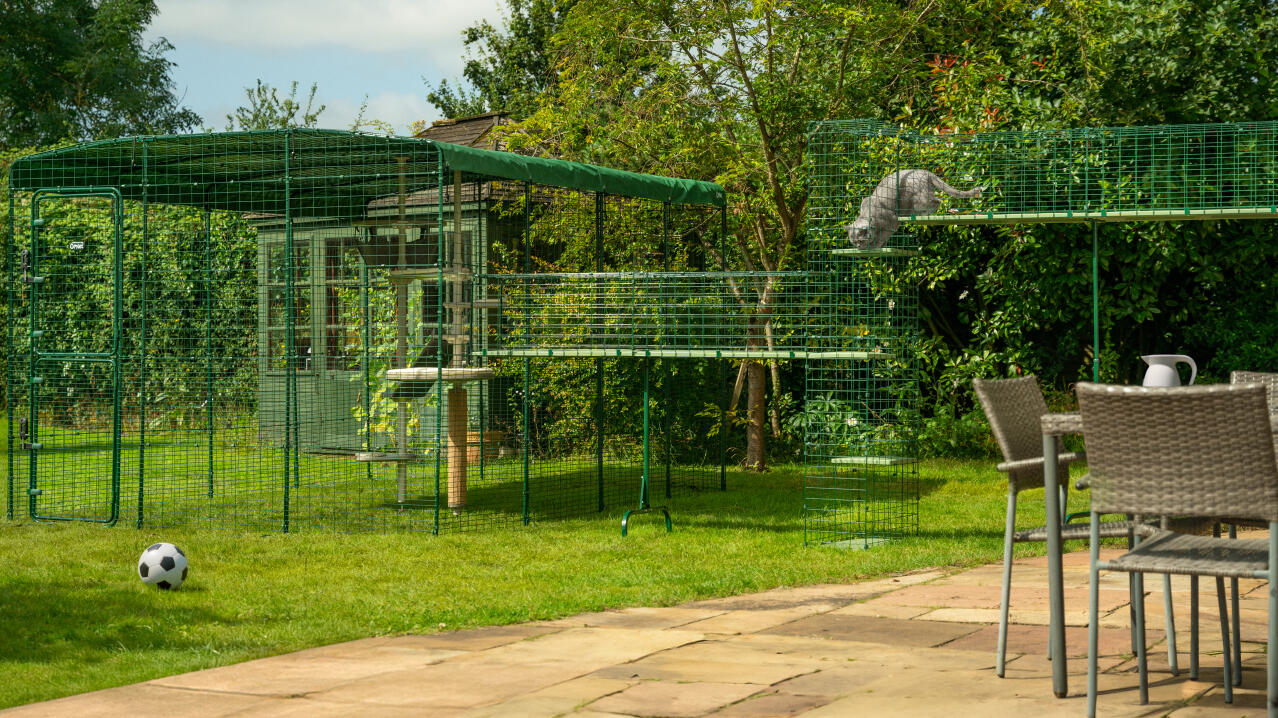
[{"x": 644, "y": 506}]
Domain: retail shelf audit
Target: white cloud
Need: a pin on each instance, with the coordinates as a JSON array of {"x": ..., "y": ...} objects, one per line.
[
  {"x": 398, "y": 109},
  {"x": 427, "y": 26}
]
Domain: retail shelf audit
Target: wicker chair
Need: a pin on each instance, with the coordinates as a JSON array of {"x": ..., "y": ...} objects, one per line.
[
  {"x": 1269, "y": 379},
  {"x": 1143, "y": 461},
  {"x": 1013, "y": 407},
  {"x": 1270, "y": 382}
]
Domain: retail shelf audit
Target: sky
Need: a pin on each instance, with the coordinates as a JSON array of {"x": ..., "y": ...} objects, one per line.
[{"x": 379, "y": 49}]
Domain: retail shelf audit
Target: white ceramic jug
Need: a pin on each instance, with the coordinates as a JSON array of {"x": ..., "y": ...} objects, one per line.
[{"x": 1162, "y": 369}]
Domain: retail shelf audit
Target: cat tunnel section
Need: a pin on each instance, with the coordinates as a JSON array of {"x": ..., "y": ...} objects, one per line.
[
  {"x": 859, "y": 478},
  {"x": 1103, "y": 174}
]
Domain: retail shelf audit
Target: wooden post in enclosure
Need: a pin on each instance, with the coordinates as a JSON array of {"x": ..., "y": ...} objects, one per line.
[
  {"x": 457, "y": 418},
  {"x": 457, "y": 447}
]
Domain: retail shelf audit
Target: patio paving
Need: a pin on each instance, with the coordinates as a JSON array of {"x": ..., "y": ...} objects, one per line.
[{"x": 920, "y": 644}]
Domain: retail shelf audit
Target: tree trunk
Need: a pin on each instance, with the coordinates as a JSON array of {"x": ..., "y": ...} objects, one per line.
[
  {"x": 775, "y": 414},
  {"x": 756, "y": 441}
]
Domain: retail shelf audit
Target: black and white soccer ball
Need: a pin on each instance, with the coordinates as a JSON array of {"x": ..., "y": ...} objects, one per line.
[{"x": 162, "y": 565}]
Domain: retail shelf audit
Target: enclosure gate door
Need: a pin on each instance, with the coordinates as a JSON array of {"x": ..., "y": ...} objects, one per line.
[{"x": 72, "y": 270}]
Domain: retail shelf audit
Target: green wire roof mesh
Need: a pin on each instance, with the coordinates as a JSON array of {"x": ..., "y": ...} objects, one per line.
[{"x": 271, "y": 170}]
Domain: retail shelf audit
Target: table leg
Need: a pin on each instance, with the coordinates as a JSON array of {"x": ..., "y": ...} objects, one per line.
[{"x": 1055, "y": 575}]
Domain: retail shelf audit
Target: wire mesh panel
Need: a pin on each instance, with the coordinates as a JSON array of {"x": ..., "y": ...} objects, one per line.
[
  {"x": 308, "y": 330},
  {"x": 1160, "y": 172},
  {"x": 860, "y": 414},
  {"x": 647, "y": 313}
]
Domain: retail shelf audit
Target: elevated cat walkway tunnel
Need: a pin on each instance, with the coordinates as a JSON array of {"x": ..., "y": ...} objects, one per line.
[{"x": 1082, "y": 175}]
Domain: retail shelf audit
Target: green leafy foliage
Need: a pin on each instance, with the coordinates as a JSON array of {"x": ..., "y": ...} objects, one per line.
[
  {"x": 1017, "y": 299},
  {"x": 506, "y": 68},
  {"x": 266, "y": 110},
  {"x": 79, "y": 69},
  {"x": 200, "y": 295}
]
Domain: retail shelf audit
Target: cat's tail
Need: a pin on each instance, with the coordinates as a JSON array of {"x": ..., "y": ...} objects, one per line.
[{"x": 942, "y": 185}]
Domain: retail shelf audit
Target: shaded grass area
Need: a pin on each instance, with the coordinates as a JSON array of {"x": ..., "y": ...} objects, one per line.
[{"x": 75, "y": 617}]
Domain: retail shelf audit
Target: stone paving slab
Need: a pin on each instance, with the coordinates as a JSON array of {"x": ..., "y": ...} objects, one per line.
[
  {"x": 677, "y": 699},
  {"x": 751, "y": 621},
  {"x": 919, "y": 633},
  {"x": 506, "y": 672},
  {"x": 920, "y": 644},
  {"x": 772, "y": 705}
]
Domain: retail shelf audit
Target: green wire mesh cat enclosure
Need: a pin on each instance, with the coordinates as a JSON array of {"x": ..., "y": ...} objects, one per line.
[
  {"x": 320, "y": 330},
  {"x": 860, "y": 481}
]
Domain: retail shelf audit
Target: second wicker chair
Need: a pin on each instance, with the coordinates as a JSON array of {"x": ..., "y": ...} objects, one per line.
[{"x": 1014, "y": 407}]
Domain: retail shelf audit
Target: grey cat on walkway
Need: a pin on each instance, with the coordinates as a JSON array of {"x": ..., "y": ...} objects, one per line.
[{"x": 901, "y": 193}]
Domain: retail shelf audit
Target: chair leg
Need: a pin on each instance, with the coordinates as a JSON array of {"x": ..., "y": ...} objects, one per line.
[
  {"x": 1142, "y": 665},
  {"x": 1271, "y": 662},
  {"x": 1131, "y": 591},
  {"x": 1225, "y": 655},
  {"x": 1235, "y": 619},
  {"x": 1131, "y": 611},
  {"x": 1000, "y": 660},
  {"x": 1093, "y": 617},
  {"x": 1171, "y": 625},
  {"x": 1064, "y": 504},
  {"x": 1193, "y": 628}
]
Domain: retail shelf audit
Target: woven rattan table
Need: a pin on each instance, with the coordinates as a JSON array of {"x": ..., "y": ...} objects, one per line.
[{"x": 1055, "y": 425}]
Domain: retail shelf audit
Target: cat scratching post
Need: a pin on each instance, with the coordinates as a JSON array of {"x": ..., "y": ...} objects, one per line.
[{"x": 457, "y": 420}]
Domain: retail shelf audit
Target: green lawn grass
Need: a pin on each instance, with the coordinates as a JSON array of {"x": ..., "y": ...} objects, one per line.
[{"x": 74, "y": 617}]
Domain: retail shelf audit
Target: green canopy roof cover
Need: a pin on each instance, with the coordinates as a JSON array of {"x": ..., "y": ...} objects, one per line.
[
  {"x": 575, "y": 175},
  {"x": 307, "y": 172}
]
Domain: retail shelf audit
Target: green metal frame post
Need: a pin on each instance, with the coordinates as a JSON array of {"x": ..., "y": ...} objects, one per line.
[
  {"x": 1095, "y": 303},
  {"x": 440, "y": 263},
  {"x": 367, "y": 314},
  {"x": 289, "y": 340},
  {"x": 527, "y": 241},
  {"x": 665, "y": 409},
  {"x": 208, "y": 335},
  {"x": 599, "y": 426},
  {"x": 644, "y": 506},
  {"x": 8, "y": 354},
  {"x": 727, "y": 395},
  {"x": 142, "y": 296}
]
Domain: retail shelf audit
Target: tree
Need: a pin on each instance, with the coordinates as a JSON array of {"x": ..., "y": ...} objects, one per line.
[
  {"x": 725, "y": 91},
  {"x": 506, "y": 68},
  {"x": 266, "y": 110},
  {"x": 78, "y": 69}
]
